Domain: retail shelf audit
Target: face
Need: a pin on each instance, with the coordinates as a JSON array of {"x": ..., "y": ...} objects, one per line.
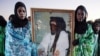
[
  {"x": 97, "y": 27},
  {"x": 53, "y": 27},
  {"x": 21, "y": 12},
  {"x": 80, "y": 15}
]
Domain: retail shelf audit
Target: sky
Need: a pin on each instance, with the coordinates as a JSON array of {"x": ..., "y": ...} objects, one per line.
[{"x": 92, "y": 6}]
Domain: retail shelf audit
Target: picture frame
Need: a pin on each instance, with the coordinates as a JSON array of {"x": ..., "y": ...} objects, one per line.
[{"x": 40, "y": 23}]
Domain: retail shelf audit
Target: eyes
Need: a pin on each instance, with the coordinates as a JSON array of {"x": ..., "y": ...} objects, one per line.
[
  {"x": 80, "y": 12},
  {"x": 21, "y": 9}
]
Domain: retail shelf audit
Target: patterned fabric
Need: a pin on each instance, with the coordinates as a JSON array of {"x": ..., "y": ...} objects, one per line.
[
  {"x": 96, "y": 45},
  {"x": 18, "y": 41},
  {"x": 86, "y": 43},
  {"x": 2, "y": 39},
  {"x": 99, "y": 47}
]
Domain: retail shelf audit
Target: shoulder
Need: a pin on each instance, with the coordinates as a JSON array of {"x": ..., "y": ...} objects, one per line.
[
  {"x": 63, "y": 33},
  {"x": 28, "y": 25},
  {"x": 1, "y": 28},
  {"x": 89, "y": 25},
  {"x": 89, "y": 32},
  {"x": 9, "y": 25},
  {"x": 90, "y": 28}
]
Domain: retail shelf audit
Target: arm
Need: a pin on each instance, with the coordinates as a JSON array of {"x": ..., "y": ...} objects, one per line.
[
  {"x": 8, "y": 39},
  {"x": 43, "y": 46},
  {"x": 2, "y": 34},
  {"x": 62, "y": 44}
]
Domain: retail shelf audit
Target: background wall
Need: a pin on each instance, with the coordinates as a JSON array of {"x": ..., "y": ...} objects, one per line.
[{"x": 7, "y": 6}]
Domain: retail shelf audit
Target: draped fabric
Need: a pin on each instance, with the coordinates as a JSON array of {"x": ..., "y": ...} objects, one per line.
[
  {"x": 2, "y": 39},
  {"x": 18, "y": 41},
  {"x": 86, "y": 43},
  {"x": 15, "y": 21},
  {"x": 96, "y": 45},
  {"x": 99, "y": 44},
  {"x": 62, "y": 43}
]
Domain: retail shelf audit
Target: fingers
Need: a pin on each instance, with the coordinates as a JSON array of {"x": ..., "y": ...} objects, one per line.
[{"x": 56, "y": 53}]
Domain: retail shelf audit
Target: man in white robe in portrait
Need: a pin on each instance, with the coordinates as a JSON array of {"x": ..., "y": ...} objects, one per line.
[{"x": 55, "y": 43}]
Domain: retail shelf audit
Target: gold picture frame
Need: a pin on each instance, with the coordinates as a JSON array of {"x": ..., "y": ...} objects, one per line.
[{"x": 40, "y": 22}]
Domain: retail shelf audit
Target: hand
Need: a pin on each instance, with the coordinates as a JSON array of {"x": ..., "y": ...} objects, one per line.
[
  {"x": 75, "y": 42},
  {"x": 56, "y": 53},
  {"x": 40, "y": 52}
]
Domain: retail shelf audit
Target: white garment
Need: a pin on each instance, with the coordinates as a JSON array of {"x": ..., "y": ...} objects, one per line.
[{"x": 61, "y": 46}]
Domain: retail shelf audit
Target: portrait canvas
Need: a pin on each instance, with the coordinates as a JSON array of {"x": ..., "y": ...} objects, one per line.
[{"x": 41, "y": 22}]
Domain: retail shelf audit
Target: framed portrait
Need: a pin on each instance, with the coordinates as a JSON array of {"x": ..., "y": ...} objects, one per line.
[{"x": 41, "y": 22}]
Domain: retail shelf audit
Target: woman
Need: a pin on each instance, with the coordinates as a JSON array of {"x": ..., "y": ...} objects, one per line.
[
  {"x": 2, "y": 35},
  {"x": 96, "y": 29},
  {"x": 18, "y": 34},
  {"x": 84, "y": 37}
]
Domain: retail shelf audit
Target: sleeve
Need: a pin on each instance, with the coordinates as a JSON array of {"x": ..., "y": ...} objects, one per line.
[
  {"x": 44, "y": 43},
  {"x": 63, "y": 44},
  {"x": 2, "y": 34},
  {"x": 87, "y": 43},
  {"x": 2, "y": 39},
  {"x": 30, "y": 30},
  {"x": 34, "y": 50},
  {"x": 8, "y": 39}
]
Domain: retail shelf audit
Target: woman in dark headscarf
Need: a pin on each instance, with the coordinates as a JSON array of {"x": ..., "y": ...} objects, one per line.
[
  {"x": 84, "y": 37},
  {"x": 2, "y": 35},
  {"x": 96, "y": 29},
  {"x": 18, "y": 34}
]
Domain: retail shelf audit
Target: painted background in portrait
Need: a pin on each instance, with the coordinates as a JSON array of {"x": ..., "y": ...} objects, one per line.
[{"x": 41, "y": 23}]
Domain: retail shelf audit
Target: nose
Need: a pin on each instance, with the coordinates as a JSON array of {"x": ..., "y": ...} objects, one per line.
[
  {"x": 81, "y": 16},
  {"x": 21, "y": 13}
]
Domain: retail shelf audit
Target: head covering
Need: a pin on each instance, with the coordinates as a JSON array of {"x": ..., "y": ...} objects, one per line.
[
  {"x": 61, "y": 25},
  {"x": 16, "y": 21},
  {"x": 2, "y": 21},
  {"x": 80, "y": 27},
  {"x": 17, "y": 5},
  {"x": 11, "y": 16},
  {"x": 95, "y": 24}
]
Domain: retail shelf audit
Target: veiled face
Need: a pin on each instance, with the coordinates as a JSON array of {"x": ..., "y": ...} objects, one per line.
[
  {"x": 80, "y": 15},
  {"x": 21, "y": 12}
]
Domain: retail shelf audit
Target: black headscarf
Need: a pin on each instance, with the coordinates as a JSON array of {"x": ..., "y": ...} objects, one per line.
[
  {"x": 80, "y": 27},
  {"x": 16, "y": 21},
  {"x": 2, "y": 21}
]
